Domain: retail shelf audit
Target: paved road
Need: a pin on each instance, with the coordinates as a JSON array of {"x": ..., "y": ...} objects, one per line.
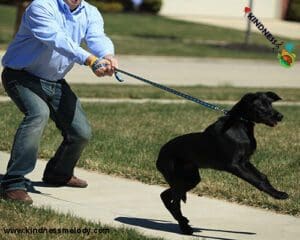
[
  {"x": 195, "y": 71},
  {"x": 117, "y": 201}
]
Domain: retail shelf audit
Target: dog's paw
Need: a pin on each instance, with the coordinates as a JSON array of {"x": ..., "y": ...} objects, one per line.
[
  {"x": 280, "y": 195},
  {"x": 186, "y": 229},
  {"x": 184, "y": 220}
]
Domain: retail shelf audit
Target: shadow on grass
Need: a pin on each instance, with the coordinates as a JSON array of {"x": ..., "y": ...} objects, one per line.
[
  {"x": 167, "y": 226},
  {"x": 156, "y": 36}
]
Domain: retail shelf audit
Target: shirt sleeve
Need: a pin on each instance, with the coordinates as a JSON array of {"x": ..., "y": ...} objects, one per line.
[
  {"x": 45, "y": 28},
  {"x": 97, "y": 41}
]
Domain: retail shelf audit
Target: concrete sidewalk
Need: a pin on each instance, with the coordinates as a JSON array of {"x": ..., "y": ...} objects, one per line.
[
  {"x": 194, "y": 71},
  {"x": 116, "y": 201}
]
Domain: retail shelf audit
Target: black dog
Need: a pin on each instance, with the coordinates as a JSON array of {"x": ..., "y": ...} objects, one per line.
[{"x": 226, "y": 145}]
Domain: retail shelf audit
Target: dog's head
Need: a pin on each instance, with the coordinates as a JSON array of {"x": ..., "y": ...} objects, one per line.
[{"x": 257, "y": 107}]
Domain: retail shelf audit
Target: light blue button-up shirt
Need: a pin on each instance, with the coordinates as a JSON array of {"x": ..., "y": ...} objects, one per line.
[{"x": 48, "y": 41}]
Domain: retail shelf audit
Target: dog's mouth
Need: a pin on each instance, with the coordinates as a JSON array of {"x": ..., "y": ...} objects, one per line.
[{"x": 272, "y": 122}]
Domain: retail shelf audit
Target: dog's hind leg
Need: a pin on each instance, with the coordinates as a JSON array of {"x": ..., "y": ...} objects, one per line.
[
  {"x": 171, "y": 202},
  {"x": 177, "y": 194},
  {"x": 191, "y": 179},
  {"x": 171, "y": 199},
  {"x": 181, "y": 179},
  {"x": 184, "y": 182},
  {"x": 166, "y": 197}
]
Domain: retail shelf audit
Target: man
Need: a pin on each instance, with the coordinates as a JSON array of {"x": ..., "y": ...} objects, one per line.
[
  {"x": 136, "y": 4},
  {"x": 45, "y": 48}
]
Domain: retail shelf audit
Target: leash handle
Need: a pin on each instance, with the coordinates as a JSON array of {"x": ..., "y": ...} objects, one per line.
[
  {"x": 171, "y": 90},
  {"x": 118, "y": 76}
]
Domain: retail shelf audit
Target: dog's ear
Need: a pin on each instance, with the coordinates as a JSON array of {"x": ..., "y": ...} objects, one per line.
[
  {"x": 232, "y": 116},
  {"x": 238, "y": 111},
  {"x": 273, "y": 96}
]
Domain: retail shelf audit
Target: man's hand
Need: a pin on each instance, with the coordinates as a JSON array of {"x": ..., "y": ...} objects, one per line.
[
  {"x": 100, "y": 67},
  {"x": 113, "y": 64}
]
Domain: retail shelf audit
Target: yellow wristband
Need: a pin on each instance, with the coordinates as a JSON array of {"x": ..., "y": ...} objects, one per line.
[{"x": 92, "y": 61}]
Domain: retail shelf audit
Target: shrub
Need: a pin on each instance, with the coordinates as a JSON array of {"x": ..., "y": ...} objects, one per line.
[
  {"x": 128, "y": 5},
  {"x": 113, "y": 6},
  {"x": 152, "y": 6},
  {"x": 10, "y": 2}
]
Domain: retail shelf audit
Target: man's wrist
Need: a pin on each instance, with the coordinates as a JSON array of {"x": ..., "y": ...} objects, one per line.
[
  {"x": 90, "y": 60},
  {"x": 109, "y": 56}
]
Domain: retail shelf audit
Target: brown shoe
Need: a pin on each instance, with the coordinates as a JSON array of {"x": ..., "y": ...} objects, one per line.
[
  {"x": 18, "y": 195},
  {"x": 76, "y": 182}
]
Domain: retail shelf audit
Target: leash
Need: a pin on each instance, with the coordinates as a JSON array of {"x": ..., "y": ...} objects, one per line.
[{"x": 170, "y": 90}]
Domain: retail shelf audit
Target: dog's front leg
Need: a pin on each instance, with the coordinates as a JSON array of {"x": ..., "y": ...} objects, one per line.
[{"x": 253, "y": 176}]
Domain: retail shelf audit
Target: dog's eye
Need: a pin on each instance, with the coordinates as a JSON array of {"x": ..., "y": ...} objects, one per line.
[
  {"x": 261, "y": 105},
  {"x": 264, "y": 107},
  {"x": 264, "y": 103},
  {"x": 267, "y": 104}
]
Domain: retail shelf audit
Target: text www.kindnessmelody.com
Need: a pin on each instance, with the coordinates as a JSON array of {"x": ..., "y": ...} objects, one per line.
[{"x": 44, "y": 230}]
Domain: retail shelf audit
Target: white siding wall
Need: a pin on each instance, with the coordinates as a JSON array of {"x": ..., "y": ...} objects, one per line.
[{"x": 221, "y": 8}]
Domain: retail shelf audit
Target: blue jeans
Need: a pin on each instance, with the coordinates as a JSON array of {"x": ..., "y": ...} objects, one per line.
[{"x": 40, "y": 99}]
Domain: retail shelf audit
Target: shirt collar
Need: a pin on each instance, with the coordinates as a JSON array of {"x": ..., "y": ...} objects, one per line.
[{"x": 66, "y": 8}]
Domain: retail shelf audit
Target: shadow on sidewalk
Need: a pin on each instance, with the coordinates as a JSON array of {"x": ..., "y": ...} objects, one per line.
[
  {"x": 31, "y": 189},
  {"x": 167, "y": 226}
]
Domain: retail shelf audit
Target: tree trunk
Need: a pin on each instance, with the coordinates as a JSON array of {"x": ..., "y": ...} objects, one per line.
[
  {"x": 21, "y": 6},
  {"x": 286, "y": 4}
]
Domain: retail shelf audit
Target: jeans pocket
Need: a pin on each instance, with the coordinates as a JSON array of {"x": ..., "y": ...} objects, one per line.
[
  {"x": 48, "y": 88},
  {"x": 9, "y": 84},
  {"x": 12, "y": 88}
]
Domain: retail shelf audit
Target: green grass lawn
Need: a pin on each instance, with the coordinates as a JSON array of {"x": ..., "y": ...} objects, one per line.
[
  {"x": 126, "y": 140},
  {"x": 156, "y": 35},
  {"x": 18, "y": 216},
  {"x": 7, "y": 23},
  {"x": 202, "y": 92}
]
